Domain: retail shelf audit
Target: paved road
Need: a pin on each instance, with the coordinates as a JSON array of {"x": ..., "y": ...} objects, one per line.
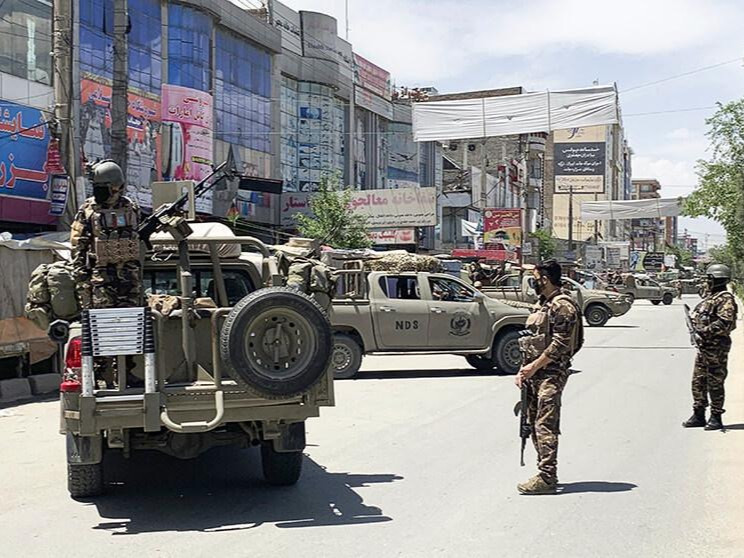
[{"x": 420, "y": 458}]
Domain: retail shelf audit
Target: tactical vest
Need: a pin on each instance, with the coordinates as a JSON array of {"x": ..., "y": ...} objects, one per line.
[
  {"x": 540, "y": 325},
  {"x": 705, "y": 312},
  {"x": 115, "y": 238}
]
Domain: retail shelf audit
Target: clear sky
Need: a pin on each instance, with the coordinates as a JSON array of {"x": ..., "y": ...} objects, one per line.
[{"x": 479, "y": 44}]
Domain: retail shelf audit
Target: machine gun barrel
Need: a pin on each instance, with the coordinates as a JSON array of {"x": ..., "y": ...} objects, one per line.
[
  {"x": 157, "y": 220},
  {"x": 525, "y": 429},
  {"x": 690, "y": 326}
]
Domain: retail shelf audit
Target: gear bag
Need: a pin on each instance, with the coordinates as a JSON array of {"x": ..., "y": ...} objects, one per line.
[
  {"x": 51, "y": 294},
  {"x": 577, "y": 337}
]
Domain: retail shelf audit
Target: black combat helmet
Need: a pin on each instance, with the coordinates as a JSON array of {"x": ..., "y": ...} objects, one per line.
[{"x": 108, "y": 181}]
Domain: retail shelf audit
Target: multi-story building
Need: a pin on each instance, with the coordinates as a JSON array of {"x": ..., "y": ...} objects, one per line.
[
  {"x": 513, "y": 167},
  {"x": 647, "y": 234}
]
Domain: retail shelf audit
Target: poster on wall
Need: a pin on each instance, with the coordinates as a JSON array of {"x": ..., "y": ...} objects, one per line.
[
  {"x": 580, "y": 160},
  {"x": 389, "y": 237},
  {"x": 502, "y": 230},
  {"x": 143, "y": 132},
  {"x": 187, "y": 123},
  {"x": 403, "y": 163}
]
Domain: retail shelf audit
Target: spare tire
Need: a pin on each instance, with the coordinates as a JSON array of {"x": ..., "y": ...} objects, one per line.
[{"x": 276, "y": 342}]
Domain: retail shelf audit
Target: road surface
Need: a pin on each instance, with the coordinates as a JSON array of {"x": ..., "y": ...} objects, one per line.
[{"x": 420, "y": 458}]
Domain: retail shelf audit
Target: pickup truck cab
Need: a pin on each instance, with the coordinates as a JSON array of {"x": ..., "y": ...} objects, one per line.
[
  {"x": 418, "y": 312},
  {"x": 597, "y": 306}
]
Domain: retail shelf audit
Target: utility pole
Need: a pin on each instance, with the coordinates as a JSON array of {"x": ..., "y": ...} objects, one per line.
[
  {"x": 346, "y": 12},
  {"x": 570, "y": 217},
  {"x": 119, "y": 101},
  {"x": 62, "y": 59},
  {"x": 483, "y": 181}
]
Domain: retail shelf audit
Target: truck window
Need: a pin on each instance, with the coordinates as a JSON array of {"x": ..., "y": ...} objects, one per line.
[
  {"x": 405, "y": 288},
  {"x": 447, "y": 290},
  {"x": 164, "y": 281}
]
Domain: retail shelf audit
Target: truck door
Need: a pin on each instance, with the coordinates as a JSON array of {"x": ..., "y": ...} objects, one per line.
[
  {"x": 399, "y": 314},
  {"x": 458, "y": 319}
]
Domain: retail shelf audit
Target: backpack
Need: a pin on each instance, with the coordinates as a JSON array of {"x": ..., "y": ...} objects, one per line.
[
  {"x": 51, "y": 294},
  {"x": 577, "y": 339}
]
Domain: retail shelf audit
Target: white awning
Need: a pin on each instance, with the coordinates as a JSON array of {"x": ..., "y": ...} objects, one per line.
[
  {"x": 631, "y": 209},
  {"x": 514, "y": 114}
]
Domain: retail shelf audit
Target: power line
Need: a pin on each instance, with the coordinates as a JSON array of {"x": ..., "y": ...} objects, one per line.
[
  {"x": 11, "y": 134},
  {"x": 684, "y": 74},
  {"x": 694, "y": 109}
]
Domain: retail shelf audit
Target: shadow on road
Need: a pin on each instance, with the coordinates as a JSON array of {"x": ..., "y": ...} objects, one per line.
[
  {"x": 223, "y": 490},
  {"x": 412, "y": 374},
  {"x": 620, "y": 326},
  {"x": 733, "y": 426},
  {"x": 594, "y": 486}
]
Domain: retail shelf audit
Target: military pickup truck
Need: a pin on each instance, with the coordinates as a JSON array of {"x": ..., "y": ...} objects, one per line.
[
  {"x": 229, "y": 356},
  {"x": 597, "y": 306},
  {"x": 419, "y": 312},
  {"x": 642, "y": 287}
]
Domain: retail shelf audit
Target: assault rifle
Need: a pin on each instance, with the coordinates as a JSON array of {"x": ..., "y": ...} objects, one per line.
[
  {"x": 691, "y": 327},
  {"x": 168, "y": 215},
  {"x": 520, "y": 409}
]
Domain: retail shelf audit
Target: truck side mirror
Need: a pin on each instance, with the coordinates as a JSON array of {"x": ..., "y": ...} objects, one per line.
[{"x": 479, "y": 296}]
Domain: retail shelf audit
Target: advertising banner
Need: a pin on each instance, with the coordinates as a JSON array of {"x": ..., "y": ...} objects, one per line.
[
  {"x": 187, "y": 114},
  {"x": 580, "y": 160},
  {"x": 143, "y": 125},
  {"x": 405, "y": 207},
  {"x": 371, "y": 77},
  {"x": 653, "y": 261},
  {"x": 502, "y": 230},
  {"x": 393, "y": 236},
  {"x": 593, "y": 257}
]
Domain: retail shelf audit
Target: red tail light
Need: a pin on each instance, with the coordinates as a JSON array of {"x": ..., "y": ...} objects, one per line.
[{"x": 74, "y": 357}]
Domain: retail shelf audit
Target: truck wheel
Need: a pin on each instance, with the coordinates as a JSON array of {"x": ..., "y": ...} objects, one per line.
[
  {"x": 631, "y": 297},
  {"x": 276, "y": 342},
  {"x": 506, "y": 353},
  {"x": 596, "y": 315},
  {"x": 347, "y": 356},
  {"x": 480, "y": 362},
  {"x": 84, "y": 481},
  {"x": 668, "y": 298},
  {"x": 280, "y": 468},
  {"x": 655, "y": 302}
]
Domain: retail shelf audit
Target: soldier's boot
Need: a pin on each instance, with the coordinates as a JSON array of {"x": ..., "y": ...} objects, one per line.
[
  {"x": 537, "y": 485},
  {"x": 715, "y": 422},
  {"x": 697, "y": 420}
]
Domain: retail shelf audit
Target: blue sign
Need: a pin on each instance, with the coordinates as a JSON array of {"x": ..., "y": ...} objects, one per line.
[{"x": 24, "y": 146}]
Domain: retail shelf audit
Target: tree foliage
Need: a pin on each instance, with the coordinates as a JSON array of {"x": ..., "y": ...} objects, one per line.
[
  {"x": 546, "y": 243},
  {"x": 684, "y": 257},
  {"x": 720, "y": 195},
  {"x": 332, "y": 222}
]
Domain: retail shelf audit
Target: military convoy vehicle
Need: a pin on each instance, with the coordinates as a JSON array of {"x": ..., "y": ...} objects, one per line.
[
  {"x": 642, "y": 287},
  {"x": 231, "y": 357},
  {"x": 421, "y": 312},
  {"x": 597, "y": 306}
]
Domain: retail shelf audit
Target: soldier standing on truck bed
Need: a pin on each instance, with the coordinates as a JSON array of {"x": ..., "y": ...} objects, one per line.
[
  {"x": 713, "y": 320},
  {"x": 106, "y": 250},
  {"x": 106, "y": 245},
  {"x": 556, "y": 335}
]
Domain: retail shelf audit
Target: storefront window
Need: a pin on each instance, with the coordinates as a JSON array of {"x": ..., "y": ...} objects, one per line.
[
  {"x": 145, "y": 46},
  {"x": 26, "y": 39},
  {"x": 189, "y": 40},
  {"x": 243, "y": 93}
]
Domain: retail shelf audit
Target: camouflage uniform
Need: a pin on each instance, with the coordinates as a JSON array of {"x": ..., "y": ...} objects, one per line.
[
  {"x": 714, "y": 320},
  {"x": 554, "y": 332},
  {"x": 106, "y": 254}
]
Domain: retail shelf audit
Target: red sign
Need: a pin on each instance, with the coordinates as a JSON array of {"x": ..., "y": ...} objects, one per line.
[
  {"x": 372, "y": 77},
  {"x": 502, "y": 230},
  {"x": 393, "y": 236}
]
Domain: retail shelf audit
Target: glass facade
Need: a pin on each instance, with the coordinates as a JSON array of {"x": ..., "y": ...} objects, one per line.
[
  {"x": 242, "y": 92},
  {"x": 96, "y": 32},
  {"x": 26, "y": 39},
  {"x": 189, "y": 41},
  {"x": 312, "y": 138}
]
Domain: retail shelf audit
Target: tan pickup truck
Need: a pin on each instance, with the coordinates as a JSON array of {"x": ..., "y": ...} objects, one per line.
[
  {"x": 597, "y": 306},
  {"x": 417, "y": 312}
]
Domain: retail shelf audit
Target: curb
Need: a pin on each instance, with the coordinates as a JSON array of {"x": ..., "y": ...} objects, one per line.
[{"x": 21, "y": 389}]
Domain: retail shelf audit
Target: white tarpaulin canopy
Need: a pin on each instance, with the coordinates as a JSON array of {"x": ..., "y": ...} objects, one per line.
[
  {"x": 514, "y": 114},
  {"x": 631, "y": 209}
]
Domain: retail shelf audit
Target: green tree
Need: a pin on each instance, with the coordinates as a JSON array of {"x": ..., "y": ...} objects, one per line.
[
  {"x": 684, "y": 257},
  {"x": 332, "y": 221},
  {"x": 546, "y": 243},
  {"x": 720, "y": 194}
]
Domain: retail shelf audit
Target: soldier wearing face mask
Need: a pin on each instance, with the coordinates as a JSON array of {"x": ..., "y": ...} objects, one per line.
[{"x": 106, "y": 245}]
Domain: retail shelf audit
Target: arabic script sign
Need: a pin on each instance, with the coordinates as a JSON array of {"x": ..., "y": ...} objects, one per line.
[
  {"x": 580, "y": 160},
  {"x": 502, "y": 230},
  {"x": 404, "y": 207},
  {"x": 24, "y": 148},
  {"x": 393, "y": 236}
]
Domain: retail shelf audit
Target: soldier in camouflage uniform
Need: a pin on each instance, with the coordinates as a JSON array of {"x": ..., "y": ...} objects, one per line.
[
  {"x": 556, "y": 335},
  {"x": 106, "y": 246},
  {"x": 713, "y": 320}
]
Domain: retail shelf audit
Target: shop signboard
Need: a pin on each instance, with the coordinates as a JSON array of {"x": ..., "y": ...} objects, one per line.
[
  {"x": 502, "y": 230},
  {"x": 404, "y": 207},
  {"x": 393, "y": 236},
  {"x": 371, "y": 77},
  {"x": 579, "y": 162}
]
